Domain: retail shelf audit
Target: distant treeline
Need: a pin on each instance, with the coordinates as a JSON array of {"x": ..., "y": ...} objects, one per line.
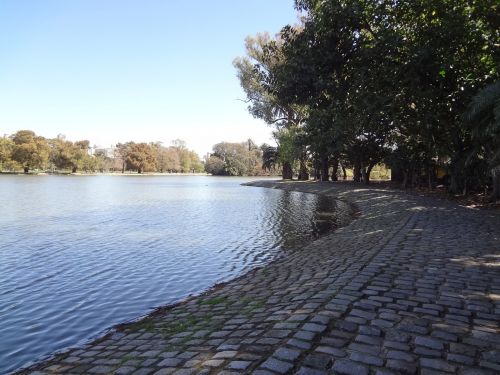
[{"x": 26, "y": 151}]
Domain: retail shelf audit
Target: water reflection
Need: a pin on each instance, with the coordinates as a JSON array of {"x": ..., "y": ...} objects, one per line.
[
  {"x": 79, "y": 254},
  {"x": 301, "y": 218}
]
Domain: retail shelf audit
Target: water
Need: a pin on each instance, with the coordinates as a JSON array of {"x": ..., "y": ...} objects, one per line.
[{"x": 79, "y": 254}]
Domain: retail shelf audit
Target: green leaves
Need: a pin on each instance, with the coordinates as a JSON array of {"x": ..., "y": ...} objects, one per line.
[
  {"x": 234, "y": 159},
  {"x": 375, "y": 79},
  {"x": 30, "y": 150}
]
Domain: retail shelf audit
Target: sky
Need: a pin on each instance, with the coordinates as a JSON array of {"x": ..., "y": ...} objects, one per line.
[{"x": 143, "y": 70}]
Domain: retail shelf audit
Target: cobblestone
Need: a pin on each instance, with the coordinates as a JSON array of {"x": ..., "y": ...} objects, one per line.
[
  {"x": 276, "y": 365},
  {"x": 410, "y": 286},
  {"x": 437, "y": 364},
  {"x": 349, "y": 368},
  {"x": 287, "y": 354}
]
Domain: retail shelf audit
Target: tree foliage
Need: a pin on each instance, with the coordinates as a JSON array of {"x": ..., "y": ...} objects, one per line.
[
  {"x": 6, "y": 149},
  {"x": 25, "y": 150},
  {"x": 384, "y": 81},
  {"x": 235, "y": 159},
  {"x": 68, "y": 155},
  {"x": 30, "y": 151},
  {"x": 255, "y": 74},
  {"x": 483, "y": 119},
  {"x": 140, "y": 157}
]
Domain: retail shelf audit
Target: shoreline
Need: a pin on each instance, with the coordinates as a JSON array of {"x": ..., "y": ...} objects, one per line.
[
  {"x": 331, "y": 291},
  {"x": 145, "y": 174},
  {"x": 101, "y": 174},
  {"x": 106, "y": 333}
]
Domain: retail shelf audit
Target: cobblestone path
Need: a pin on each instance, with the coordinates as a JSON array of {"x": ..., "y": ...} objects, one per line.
[{"x": 412, "y": 286}]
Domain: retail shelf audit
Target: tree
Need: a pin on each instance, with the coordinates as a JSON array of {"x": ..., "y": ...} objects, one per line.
[
  {"x": 6, "y": 149},
  {"x": 102, "y": 162},
  {"x": 188, "y": 159},
  {"x": 270, "y": 157},
  {"x": 255, "y": 74},
  {"x": 179, "y": 144},
  {"x": 61, "y": 153},
  {"x": 81, "y": 157},
  {"x": 381, "y": 81},
  {"x": 122, "y": 153},
  {"x": 234, "y": 159},
  {"x": 215, "y": 166},
  {"x": 445, "y": 52},
  {"x": 172, "y": 159},
  {"x": 196, "y": 165},
  {"x": 483, "y": 118},
  {"x": 68, "y": 155},
  {"x": 185, "y": 159},
  {"x": 140, "y": 156},
  {"x": 312, "y": 75},
  {"x": 30, "y": 150}
]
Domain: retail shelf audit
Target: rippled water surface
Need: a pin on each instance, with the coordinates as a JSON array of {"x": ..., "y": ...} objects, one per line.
[{"x": 79, "y": 254}]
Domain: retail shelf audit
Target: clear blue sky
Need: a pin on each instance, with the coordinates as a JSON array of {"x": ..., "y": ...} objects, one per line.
[{"x": 144, "y": 70}]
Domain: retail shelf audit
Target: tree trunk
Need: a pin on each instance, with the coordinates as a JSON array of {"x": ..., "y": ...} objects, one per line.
[
  {"x": 335, "y": 165},
  {"x": 429, "y": 178},
  {"x": 495, "y": 175},
  {"x": 414, "y": 178},
  {"x": 324, "y": 168},
  {"x": 26, "y": 170},
  {"x": 455, "y": 183},
  {"x": 367, "y": 172},
  {"x": 366, "y": 179},
  {"x": 466, "y": 185},
  {"x": 317, "y": 174},
  {"x": 404, "y": 184},
  {"x": 397, "y": 174},
  {"x": 287, "y": 171},
  {"x": 344, "y": 172},
  {"x": 303, "y": 173},
  {"x": 454, "y": 188},
  {"x": 357, "y": 172}
]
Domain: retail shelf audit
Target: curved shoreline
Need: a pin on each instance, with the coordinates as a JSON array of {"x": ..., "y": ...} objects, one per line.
[
  {"x": 345, "y": 218},
  {"x": 387, "y": 297}
]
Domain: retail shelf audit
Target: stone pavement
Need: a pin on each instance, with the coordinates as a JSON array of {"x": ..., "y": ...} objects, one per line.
[{"x": 412, "y": 286}]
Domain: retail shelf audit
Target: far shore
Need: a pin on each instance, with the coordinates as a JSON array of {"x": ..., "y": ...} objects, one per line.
[
  {"x": 101, "y": 174},
  {"x": 148, "y": 174}
]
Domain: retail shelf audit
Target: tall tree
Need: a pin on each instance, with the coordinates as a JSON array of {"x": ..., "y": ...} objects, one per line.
[
  {"x": 255, "y": 74},
  {"x": 383, "y": 79},
  {"x": 312, "y": 73},
  {"x": 30, "y": 150},
  {"x": 234, "y": 159},
  {"x": 121, "y": 154},
  {"x": 141, "y": 157}
]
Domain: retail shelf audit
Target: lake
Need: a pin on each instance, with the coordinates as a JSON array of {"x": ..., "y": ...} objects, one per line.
[{"x": 79, "y": 254}]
